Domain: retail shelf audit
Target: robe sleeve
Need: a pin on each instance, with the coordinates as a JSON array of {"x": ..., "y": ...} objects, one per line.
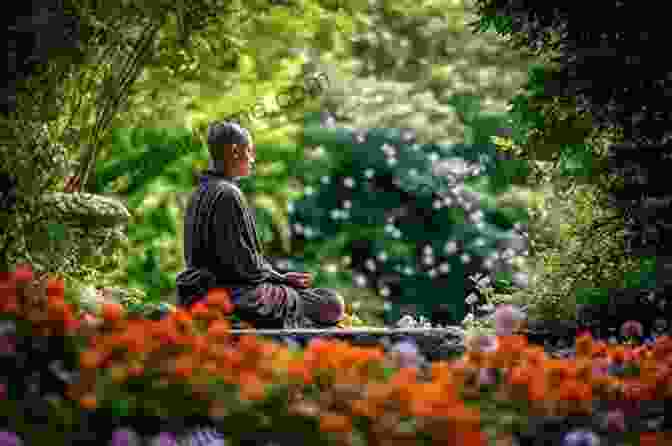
[{"x": 274, "y": 275}]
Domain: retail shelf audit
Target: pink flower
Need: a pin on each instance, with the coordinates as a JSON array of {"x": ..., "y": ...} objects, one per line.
[
  {"x": 486, "y": 377},
  {"x": 631, "y": 329},
  {"x": 7, "y": 345},
  {"x": 615, "y": 421},
  {"x": 482, "y": 343},
  {"x": 507, "y": 318},
  {"x": 600, "y": 367}
]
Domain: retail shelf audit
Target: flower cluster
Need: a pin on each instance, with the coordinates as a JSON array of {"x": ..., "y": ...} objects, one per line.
[{"x": 351, "y": 393}]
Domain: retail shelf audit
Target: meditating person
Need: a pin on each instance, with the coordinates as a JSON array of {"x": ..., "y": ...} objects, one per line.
[{"x": 222, "y": 248}]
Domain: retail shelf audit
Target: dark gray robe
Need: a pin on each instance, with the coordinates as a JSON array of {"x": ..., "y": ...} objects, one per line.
[{"x": 222, "y": 249}]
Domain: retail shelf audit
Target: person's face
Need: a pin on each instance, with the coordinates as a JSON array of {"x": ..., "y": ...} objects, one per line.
[
  {"x": 241, "y": 166},
  {"x": 248, "y": 155}
]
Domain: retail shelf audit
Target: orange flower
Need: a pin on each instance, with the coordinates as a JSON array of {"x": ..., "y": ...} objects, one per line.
[
  {"x": 200, "y": 310},
  {"x": 378, "y": 392},
  {"x": 88, "y": 401},
  {"x": 91, "y": 359},
  {"x": 199, "y": 344},
  {"x": 231, "y": 358},
  {"x": 584, "y": 346},
  {"x": 518, "y": 376},
  {"x": 181, "y": 317},
  {"x": 363, "y": 408},
  {"x": 618, "y": 353},
  {"x": 210, "y": 367},
  {"x": 252, "y": 388},
  {"x": 56, "y": 288},
  {"x": 219, "y": 329},
  {"x": 248, "y": 344},
  {"x": 333, "y": 422},
  {"x": 112, "y": 311},
  {"x": 58, "y": 310},
  {"x": 184, "y": 366},
  {"x": 218, "y": 297},
  {"x": 471, "y": 438},
  {"x": 535, "y": 356},
  {"x": 574, "y": 391},
  {"x": 653, "y": 439},
  {"x": 296, "y": 369},
  {"x": 440, "y": 370}
]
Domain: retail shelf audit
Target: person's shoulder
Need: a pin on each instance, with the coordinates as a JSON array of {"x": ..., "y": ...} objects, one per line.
[{"x": 225, "y": 190}]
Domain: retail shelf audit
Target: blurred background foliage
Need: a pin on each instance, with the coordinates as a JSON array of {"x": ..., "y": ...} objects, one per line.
[
  {"x": 131, "y": 112},
  {"x": 442, "y": 108}
]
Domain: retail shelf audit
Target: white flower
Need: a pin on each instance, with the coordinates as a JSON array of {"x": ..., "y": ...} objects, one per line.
[
  {"x": 408, "y": 270},
  {"x": 391, "y": 162},
  {"x": 436, "y": 204},
  {"x": 368, "y": 173},
  {"x": 432, "y": 273},
  {"x": 433, "y": 157},
  {"x": 349, "y": 182},
  {"x": 444, "y": 268},
  {"x": 347, "y": 204},
  {"x": 451, "y": 247},
  {"x": 360, "y": 280},
  {"x": 476, "y": 216},
  {"x": 487, "y": 307},
  {"x": 413, "y": 172},
  {"x": 298, "y": 228},
  {"x": 370, "y": 264},
  {"x": 428, "y": 260},
  {"x": 385, "y": 291},
  {"x": 382, "y": 256},
  {"x": 397, "y": 233},
  {"x": 325, "y": 180},
  {"x": 521, "y": 280},
  {"x": 388, "y": 149},
  {"x": 447, "y": 201},
  {"x": 334, "y": 214},
  {"x": 309, "y": 232},
  {"x": 406, "y": 321},
  {"x": 465, "y": 258},
  {"x": 508, "y": 253},
  {"x": 471, "y": 299}
]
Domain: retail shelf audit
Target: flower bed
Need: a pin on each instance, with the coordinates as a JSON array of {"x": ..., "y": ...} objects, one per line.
[{"x": 94, "y": 376}]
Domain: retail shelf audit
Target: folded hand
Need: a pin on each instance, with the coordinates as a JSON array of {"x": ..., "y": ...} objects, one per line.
[{"x": 299, "y": 280}]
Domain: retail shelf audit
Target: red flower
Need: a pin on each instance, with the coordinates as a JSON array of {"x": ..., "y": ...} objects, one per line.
[{"x": 23, "y": 273}]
